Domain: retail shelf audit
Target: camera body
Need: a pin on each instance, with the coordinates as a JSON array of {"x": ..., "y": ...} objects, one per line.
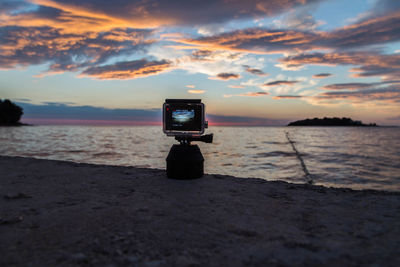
[
  {"x": 185, "y": 120},
  {"x": 184, "y": 117}
]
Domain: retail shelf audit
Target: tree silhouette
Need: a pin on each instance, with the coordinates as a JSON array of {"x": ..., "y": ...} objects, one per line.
[{"x": 10, "y": 113}]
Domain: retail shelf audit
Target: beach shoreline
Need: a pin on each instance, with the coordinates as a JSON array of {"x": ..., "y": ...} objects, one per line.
[{"x": 66, "y": 214}]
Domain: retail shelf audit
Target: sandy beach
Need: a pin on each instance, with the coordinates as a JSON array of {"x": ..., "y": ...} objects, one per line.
[{"x": 55, "y": 213}]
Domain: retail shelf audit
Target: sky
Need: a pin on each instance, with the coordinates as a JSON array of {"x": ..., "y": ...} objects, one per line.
[{"x": 251, "y": 62}]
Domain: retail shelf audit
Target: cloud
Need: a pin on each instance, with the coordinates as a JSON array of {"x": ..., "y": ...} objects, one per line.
[
  {"x": 383, "y": 7},
  {"x": 254, "y": 40},
  {"x": 76, "y": 16},
  {"x": 226, "y": 76},
  {"x": 299, "y": 19},
  {"x": 67, "y": 52},
  {"x": 367, "y": 32},
  {"x": 254, "y": 94},
  {"x": 155, "y": 13},
  {"x": 322, "y": 75},
  {"x": 371, "y": 31},
  {"x": 279, "y": 82},
  {"x": 287, "y": 97},
  {"x": 347, "y": 86},
  {"x": 128, "y": 69},
  {"x": 196, "y": 91},
  {"x": 388, "y": 94},
  {"x": 371, "y": 63},
  {"x": 251, "y": 94},
  {"x": 254, "y": 71},
  {"x": 22, "y": 100},
  {"x": 236, "y": 86},
  {"x": 190, "y": 86}
]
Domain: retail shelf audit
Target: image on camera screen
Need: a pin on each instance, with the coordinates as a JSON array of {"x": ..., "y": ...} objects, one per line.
[{"x": 180, "y": 117}]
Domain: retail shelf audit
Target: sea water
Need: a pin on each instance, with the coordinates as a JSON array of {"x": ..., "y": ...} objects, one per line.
[{"x": 353, "y": 157}]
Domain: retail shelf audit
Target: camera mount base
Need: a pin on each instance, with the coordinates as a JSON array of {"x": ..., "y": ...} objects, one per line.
[{"x": 185, "y": 161}]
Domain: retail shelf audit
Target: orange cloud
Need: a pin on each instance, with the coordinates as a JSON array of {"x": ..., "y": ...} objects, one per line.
[
  {"x": 251, "y": 94},
  {"x": 253, "y": 40},
  {"x": 196, "y": 91},
  {"x": 76, "y": 16},
  {"x": 67, "y": 52},
  {"x": 128, "y": 69},
  {"x": 370, "y": 31},
  {"x": 236, "y": 86}
]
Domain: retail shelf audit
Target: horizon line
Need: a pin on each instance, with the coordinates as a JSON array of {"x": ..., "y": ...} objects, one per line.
[{"x": 100, "y": 122}]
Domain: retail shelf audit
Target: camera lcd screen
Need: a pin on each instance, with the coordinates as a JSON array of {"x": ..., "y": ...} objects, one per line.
[{"x": 184, "y": 117}]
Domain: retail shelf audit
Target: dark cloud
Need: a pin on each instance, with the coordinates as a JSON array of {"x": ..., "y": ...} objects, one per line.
[
  {"x": 389, "y": 94},
  {"x": 66, "y": 52},
  {"x": 384, "y": 6},
  {"x": 255, "y": 94},
  {"x": 85, "y": 53},
  {"x": 254, "y": 71},
  {"x": 157, "y": 12},
  {"x": 322, "y": 75},
  {"x": 201, "y": 54},
  {"x": 356, "y": 86},
  {"x": 226, "y": 76},
  {"x": 371, "y": 63},
  {"x": 279, "y": 82},
  {"x": 128, "y": 69},
  {"x": 347, "y": 86},
  {"x": 370, "y": 31},
  {"x": 287, "y": 97}
]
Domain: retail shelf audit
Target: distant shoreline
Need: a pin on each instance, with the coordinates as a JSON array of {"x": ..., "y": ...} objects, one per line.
[{"x": 329, "y": 122}]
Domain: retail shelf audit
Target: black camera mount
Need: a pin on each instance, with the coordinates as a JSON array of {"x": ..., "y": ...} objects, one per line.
[
  {"x": 185, "y": 160},
  {"x": 185, "y": 140}
]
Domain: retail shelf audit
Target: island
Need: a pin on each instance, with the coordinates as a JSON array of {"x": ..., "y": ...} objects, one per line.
[
  {"x": 10, "y": 113},
  {"x": 329, "y": 122}
]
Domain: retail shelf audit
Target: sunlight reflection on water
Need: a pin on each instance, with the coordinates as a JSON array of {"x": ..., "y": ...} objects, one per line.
[{"x": 338, "y": 156}]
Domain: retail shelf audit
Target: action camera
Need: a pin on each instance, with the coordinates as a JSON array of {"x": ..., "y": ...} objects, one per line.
[
  {"x": 185, "y": 120},
  {"x": 183, "y": 117}
]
